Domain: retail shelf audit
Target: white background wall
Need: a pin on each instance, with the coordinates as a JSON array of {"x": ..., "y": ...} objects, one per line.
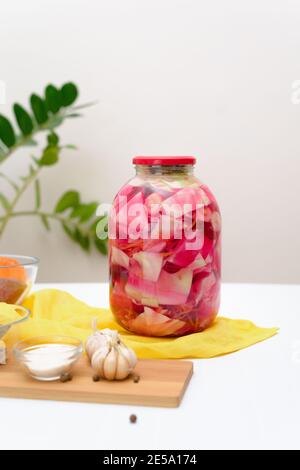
[{"x": 205, "y": 78}]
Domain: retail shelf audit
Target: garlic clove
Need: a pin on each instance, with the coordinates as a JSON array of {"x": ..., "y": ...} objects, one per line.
[
  {"x": 112, "y": 336},
  {"x": 94, "y": 342},
  {"x": 123, "y": 367},
  {"x": 99, "y": 339},
  {"x": 129, "y": 354},
  {"x": 98, "y": 359},
  {"x": 110, "y": 364},
  {"x": 89, "y": 345},
  {"x": 108, "y": 331}
]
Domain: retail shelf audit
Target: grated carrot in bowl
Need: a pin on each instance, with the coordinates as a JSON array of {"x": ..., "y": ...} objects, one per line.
[{"x": 10, "y": 268}]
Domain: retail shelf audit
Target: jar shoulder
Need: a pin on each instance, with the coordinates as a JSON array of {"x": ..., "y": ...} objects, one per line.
[{"x": 141, "y": 187}]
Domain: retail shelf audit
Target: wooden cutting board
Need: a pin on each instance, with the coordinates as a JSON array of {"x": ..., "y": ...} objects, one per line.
[{"x": 162, "y": 383}]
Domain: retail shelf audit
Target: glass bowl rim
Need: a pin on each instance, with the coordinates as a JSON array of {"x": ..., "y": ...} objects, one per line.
[
  {"x": 23, "y": 260},
  {"x": 26, "y": 314},
  {"x": 20, "y": 347}
]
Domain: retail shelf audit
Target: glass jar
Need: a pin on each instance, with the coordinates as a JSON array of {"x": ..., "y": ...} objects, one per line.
[{"x": 165, "y": 250}]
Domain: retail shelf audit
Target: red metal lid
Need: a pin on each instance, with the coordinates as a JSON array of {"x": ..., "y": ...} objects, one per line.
[{"x": 164, "y": 160}]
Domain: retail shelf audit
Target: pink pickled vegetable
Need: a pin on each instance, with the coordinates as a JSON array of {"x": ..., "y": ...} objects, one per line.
[
  {"x": 151, "y": 264},
  {"x": 183, "y": 257},
  {"x": 162, "y": 283},
  {"x": 174, "y": 288},
  {"x": 155, "y": 324},
  {"x": 188, "y": 197},
  {"x": 119, "y": 257}
]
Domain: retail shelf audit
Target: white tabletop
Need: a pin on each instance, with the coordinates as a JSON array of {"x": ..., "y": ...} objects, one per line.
[{"x": 249, "y": 399}]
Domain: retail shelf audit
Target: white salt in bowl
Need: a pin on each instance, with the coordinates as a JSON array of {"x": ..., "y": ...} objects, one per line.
[{"x": 47, "y": 358}]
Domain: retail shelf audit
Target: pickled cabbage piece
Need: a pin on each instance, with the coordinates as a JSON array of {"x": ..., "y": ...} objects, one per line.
[
  {"x": 204, "y": 285},
  {"x": 150, "y": 263},
  {"x": 119, "y": 257},
  {"x": 170, "y": 288},
  {"x": 153, "y": 204},
  {"x": 183, "y": 202},
  {"x": 152, "y": 323},
  {"x": 174, "y": 288},
  {"x": 183, "y": 256}
]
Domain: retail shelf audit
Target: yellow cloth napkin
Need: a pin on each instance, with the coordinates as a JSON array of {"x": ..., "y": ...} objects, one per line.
[{"x": 57, "y": 312}]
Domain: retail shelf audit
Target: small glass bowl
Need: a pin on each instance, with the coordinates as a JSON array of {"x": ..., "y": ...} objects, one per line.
[
  {"x": 24, "y": 314},
  {"x": 16, "y": 280},
  {"x": 47, "y": 358}
]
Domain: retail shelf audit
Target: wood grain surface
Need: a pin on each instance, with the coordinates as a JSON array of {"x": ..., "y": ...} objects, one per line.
[{"x": 162, "y": 383}]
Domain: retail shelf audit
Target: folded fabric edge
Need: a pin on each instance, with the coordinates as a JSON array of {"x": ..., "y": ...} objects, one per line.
[{"x": 148, "y": 350}]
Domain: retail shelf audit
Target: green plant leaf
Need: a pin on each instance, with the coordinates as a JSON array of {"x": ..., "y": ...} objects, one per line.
[
  {"x": 39, "y": 109},
  {"x": 53, "y": 99},
  {"x": 84, "y": 212},
  {"x": 45, "y": 222},
  {"x": 101, "y": 246},
  {"x": 53, "y": 138},
  {"x": 4, "y": 202},
  {"x": 69, "y": 93},
  {"x": 7, "y": 133},
  {"x": 23, "y": 119},
  {"x": 69, "y": 232},
  {"x": 70, "y": 199},
  {"x": 50, "y": 156},
  {"x": 37, "y": 194},
  {"x": 80, "y": 222},
  {"x": 83, "y": 240}
]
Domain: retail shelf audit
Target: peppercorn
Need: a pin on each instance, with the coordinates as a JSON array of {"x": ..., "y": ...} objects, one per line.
[
  {"x": 96, "y": 378},
  {"x": 136, "y": 378},
  {"x": 133, "y": 418},
  {"x": 65, "y": 377}
]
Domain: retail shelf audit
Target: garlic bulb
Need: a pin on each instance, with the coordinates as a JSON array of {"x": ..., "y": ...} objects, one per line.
[{"x": 111, "y": 359}]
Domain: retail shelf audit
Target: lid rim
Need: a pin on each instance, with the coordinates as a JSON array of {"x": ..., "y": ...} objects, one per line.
[{"x": 160, "y": 160}]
